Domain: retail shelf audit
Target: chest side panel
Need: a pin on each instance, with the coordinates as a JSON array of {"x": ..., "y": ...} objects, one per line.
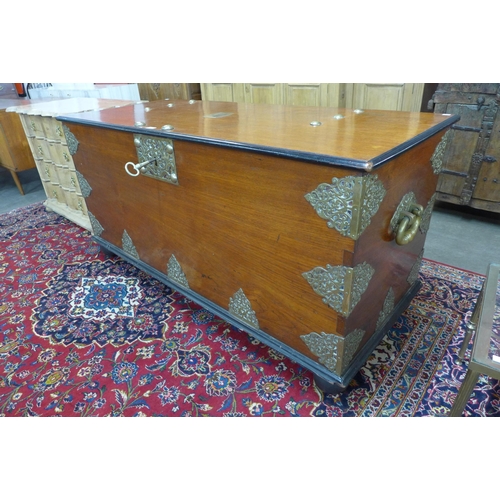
[
  {"x": 236, "y": 220},
  {"x": 410, "y": 176}
]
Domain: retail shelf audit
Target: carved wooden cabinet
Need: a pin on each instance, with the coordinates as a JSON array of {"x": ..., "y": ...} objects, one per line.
[
  {"x": 15, "y": 153},
  {"x": 387, "y": 96},
  {"x": 302, "y": 225},
  {"x": 471, "y": 164},
  {"x": 52, "y": 152}
]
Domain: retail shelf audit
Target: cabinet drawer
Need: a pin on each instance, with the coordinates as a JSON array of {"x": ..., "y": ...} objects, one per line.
[
  {"x": 52, "y": 128},
  {"x": 72, "y": 199},
  {"x": 35, "y": 125},
  {"x": 55, "y": 192},
  {"x": 61, "y": 154},
  {"x": 39, "y": 148},
  {"x": 63, "y": 175},
  {"x": 45, "y": 169},
  {"x": 73, "y": 182},
  {"x": 82, "y": 206}
]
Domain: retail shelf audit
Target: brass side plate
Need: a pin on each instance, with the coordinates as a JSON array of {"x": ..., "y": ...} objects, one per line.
[
  {"x": 426, "y": 215},
  {"x": 160, "y": 153},
  {"x": 437, "y": 157},
  {"x": 413, "y": 275},
  {"x": 175, "y": 272},
  {"x": 387, "y": 308},
  {"x": 240, "y": 307},
  {"x": 340, "y": 286},
  {"x": 407, "y": 202},
  {"x": 348, "y": 203},
  {"x": 333, "y": 351}
]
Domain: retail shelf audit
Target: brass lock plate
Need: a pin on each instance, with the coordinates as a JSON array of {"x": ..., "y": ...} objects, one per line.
[{"x": 160, "y": 152}]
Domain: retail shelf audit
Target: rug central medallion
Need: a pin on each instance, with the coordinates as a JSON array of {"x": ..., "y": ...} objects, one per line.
[
  {"x": 102, "y": 303},
  {"x": 106, "y": 298}
]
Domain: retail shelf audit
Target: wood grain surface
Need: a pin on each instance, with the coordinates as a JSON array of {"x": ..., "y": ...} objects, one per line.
[{"x": 361, "y": 138}]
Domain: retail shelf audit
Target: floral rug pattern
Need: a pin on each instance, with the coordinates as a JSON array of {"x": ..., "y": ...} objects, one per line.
[{"x": 83, "y": 334}]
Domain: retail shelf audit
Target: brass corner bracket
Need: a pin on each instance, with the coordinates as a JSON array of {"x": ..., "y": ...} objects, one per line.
[
  {"x": 333, "y": 351},
  {"x": 348, "y": 203},
  {"x": 340, "y": 286}
]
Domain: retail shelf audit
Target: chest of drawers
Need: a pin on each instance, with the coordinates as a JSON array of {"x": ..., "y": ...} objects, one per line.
[{"x": 52, "y": 154}]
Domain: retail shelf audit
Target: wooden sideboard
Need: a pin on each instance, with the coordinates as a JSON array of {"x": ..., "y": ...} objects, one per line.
[
  {"x": 471, "y": 161},
  {"x": 386, "y": 96},
  {"x": 15, "y": 153}
]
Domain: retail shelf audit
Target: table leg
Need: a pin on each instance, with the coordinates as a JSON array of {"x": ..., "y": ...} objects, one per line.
[
  {"x": 17, "y": 181},
  {"x": 471, "y": 327},
  {"x": 470, "y": 381}
]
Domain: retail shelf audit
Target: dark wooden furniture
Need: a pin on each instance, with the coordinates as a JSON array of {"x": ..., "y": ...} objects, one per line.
[
  {"x": 485, "y": 356},
  {"x": 471, "y": 163},
  {"x": 281, "y": 220},
  {"x": 15, "y": 152}
]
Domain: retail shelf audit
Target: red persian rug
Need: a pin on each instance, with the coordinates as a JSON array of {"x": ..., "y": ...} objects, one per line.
[{"x": 83, "y": 334}]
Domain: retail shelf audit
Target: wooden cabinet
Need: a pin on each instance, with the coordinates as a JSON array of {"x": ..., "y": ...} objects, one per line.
[
  {"x": 470, "y": 172},
  {"x": 156, "y": 91},
  {"x": 52, "y": 151},
  {"x": 15, "y": 153},
  {"x": 385, "y": 96},
  {"x": 389, "y": 96},
  {"x": 292, "y": 94}
]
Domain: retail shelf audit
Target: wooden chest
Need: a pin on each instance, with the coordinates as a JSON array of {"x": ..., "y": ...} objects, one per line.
[{"x": 281, "y": 220}]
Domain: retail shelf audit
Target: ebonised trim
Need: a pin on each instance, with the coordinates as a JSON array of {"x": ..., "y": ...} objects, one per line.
[
  {"x": 327, "y": 378},
  {"x": 378, "y": 161},
  {"x": 337, "y": 161}
]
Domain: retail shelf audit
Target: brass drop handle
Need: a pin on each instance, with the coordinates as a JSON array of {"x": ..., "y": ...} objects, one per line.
[
  {"x": 408, "y": 225},
  {"x": 137, "y": 167},
  {"x": 406, "y": 234}
]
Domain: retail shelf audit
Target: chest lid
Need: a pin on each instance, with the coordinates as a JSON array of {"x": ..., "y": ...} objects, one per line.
[{"x": 361, "y": 139}]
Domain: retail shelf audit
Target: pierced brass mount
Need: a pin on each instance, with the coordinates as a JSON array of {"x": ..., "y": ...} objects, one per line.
[
  {"x": 333, "y": 351},
  {"x": 340, "y": 286},
  {"x": 156, "y": 158},
  {"x": 348, "y": 203}
]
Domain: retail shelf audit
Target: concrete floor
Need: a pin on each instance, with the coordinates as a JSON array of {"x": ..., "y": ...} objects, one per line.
[{"x": 457, "y": 236}]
